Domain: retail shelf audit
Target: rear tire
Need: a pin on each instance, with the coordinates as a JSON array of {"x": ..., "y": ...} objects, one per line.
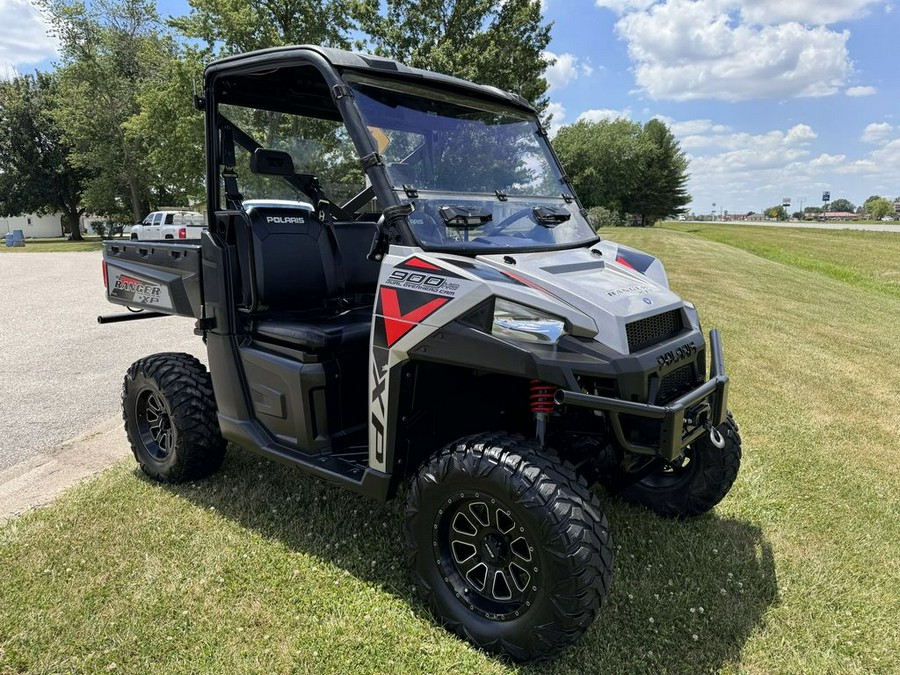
[
  {"x": 696, "y": 486},
  {"x": 508, "y": 545},
  {"x": 170, "y": 418}
]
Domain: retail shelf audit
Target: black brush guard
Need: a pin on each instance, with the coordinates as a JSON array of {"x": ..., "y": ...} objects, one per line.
[{"x": 682, "y": 421}]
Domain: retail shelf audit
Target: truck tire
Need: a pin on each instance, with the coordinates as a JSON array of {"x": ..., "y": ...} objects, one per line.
[
  {"x": 697, "y": 485},
  {"x": 508, "y": 545},
  {"x": 170, "y": 418}
]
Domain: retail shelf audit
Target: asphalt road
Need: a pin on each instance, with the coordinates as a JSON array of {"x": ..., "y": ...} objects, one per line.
[
  {"x": 60, "y": 371},
  {"x": 865, "y": 227}
]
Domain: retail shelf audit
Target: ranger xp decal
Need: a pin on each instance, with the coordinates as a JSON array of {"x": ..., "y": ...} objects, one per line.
[{"x": 132, "y": 289}]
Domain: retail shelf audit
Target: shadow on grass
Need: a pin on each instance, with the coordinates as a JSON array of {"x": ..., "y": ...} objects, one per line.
[{"x": 685, "y": 596}]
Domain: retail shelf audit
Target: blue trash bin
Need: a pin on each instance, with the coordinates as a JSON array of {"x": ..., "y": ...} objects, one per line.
[
  {"x": 18, "y": 238},
  {"x": 9, "y": 239}
]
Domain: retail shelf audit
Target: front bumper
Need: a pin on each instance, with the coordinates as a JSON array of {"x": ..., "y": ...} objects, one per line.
[{"x": 682, "y": 421}]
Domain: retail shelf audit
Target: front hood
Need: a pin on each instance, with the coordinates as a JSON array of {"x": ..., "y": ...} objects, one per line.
[{"x": 609, "y": 293}]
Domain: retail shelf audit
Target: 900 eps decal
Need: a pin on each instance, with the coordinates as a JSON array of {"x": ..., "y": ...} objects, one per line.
[{"x": 139, "y": 291}]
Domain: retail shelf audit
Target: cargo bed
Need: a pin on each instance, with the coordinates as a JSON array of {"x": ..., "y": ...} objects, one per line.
[{"x": 159, "y": 276}]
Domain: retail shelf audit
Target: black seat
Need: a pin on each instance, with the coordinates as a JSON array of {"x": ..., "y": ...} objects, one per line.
[
  {"x": 346, "y": 331},
  {"x": 306, "y": 275},
  {"x": 359, "y": 275}
]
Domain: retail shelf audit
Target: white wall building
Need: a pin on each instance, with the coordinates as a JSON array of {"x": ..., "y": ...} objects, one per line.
[{"x": 48, "y": 225}]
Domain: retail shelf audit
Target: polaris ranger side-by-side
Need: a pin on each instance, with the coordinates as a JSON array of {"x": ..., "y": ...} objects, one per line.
[{"x": 398, "y": 285}]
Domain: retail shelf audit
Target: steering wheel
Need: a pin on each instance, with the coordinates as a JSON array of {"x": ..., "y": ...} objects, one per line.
[{"x": 509, "y": 220}]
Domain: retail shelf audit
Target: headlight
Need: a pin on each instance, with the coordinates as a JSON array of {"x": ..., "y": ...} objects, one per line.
[
  {"x": 517, "y": 322},
  {"x": 692, "y": 315}
]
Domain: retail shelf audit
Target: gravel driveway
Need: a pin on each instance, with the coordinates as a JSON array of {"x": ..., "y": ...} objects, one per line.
[{"x": 60, "y": 371}]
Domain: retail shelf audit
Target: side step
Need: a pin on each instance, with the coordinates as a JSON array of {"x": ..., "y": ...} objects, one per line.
[{"x": 349, "y": 469}]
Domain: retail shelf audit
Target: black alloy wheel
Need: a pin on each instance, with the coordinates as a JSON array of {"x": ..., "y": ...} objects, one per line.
[{"x": 487, "y": 556}]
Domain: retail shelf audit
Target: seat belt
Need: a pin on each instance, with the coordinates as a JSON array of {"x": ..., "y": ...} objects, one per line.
[{"x": 233, "y": 196}]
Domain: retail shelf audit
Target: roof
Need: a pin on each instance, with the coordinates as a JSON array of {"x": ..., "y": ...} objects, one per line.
[{"x": 369, "y": 63}]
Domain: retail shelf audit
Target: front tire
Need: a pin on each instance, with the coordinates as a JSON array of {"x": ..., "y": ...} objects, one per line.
[
  {"x": 695, "y": 485},
  {"x": 170, "y": 418},
  {"x": 508, "y": 545}
]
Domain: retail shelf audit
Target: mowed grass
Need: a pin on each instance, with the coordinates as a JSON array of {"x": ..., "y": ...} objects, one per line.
[
  {"x": 52, "y": 245},
  {"x": 865, "y": 259},
  {"x": 261, "y": 569}
]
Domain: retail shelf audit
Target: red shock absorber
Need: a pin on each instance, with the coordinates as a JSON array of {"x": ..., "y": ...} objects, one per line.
[
  {"x": 542, "y": 403},
  {"x": 541, "y": 398}
]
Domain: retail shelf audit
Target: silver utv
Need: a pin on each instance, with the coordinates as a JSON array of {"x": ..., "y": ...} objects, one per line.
[{"x": 398, "y": 286}]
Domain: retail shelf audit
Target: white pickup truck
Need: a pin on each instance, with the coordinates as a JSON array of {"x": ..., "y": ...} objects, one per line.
[{"x": 169, "y": 225}]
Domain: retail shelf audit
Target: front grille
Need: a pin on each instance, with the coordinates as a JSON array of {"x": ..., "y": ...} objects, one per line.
[
  {"x": 646, "y": 332},
  {"x": 676, "y": 382}
]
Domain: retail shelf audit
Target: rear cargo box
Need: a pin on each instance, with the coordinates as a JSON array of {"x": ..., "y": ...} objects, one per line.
[{"x": 164, "y": 277}]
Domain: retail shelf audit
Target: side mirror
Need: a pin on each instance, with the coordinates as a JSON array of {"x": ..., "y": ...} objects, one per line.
[{"x": 271, "y": 162}]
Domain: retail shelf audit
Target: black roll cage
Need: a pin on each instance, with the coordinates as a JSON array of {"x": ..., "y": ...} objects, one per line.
[{"x": 330, "y": 64}]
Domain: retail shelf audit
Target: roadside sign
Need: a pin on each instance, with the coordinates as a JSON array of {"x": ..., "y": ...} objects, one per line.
[{"x": 826, "y": 196}]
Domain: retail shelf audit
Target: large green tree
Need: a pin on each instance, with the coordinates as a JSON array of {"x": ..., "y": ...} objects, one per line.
[
  {"x": 626, "y": 167},
  {"x": 36, "y": 175},
  {"x": 663, "y": 174},
  {"x": 842, "y": 205},
  {"x": 229, "y": 27},
  {"x": 879, "y": 207},
  {"x": 111, "y": 50},
  {"x": 489, "y": 42}
]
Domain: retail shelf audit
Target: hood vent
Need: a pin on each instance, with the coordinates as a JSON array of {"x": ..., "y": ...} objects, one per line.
[{"x": 651, "y": 330}]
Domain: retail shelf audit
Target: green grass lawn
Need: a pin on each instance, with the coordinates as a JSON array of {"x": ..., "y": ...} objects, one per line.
[
  {"x": 869, "y": 260},
  {"x": 53, "y": 245},
  {"x": 261, "y": 569}
]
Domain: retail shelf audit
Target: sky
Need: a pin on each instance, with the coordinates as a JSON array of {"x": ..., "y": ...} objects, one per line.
[{"x": 770, "y": 99}]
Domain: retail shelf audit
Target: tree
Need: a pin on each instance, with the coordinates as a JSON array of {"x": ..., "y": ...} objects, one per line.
[
  {"x": 625, "y": 167},
  {"x": 229, "y": 27},
  {"x": 776, "y": 212},
  {"x": 36, "y": 175},
  {"x": 663, "y": 175},
  {"x": 869, "y": 205},
  {"x": 879, "y": 208},
  {"x": 842, "y": 206},
  {"x": 110, "y": 50},
  {"x": 489, "y": 42}
]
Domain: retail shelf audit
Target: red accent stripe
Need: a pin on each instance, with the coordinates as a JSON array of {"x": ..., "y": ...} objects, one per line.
[
  {"x": 622, "y": 261},
  {"x": 396, "y": 325},
  {"x": 530, "y": 284},
  {"x": 421, "y": 264}
]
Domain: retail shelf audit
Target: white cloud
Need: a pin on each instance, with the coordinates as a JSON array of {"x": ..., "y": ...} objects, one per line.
[
  {"x": 558, "y": 112},
  {"x": 23, "y": 37},
  {"x": 767, "y": 12},
  {"x": 861, "y": 91},
  {"x": 736, "y": 50},
  {"x": 800, "y": 133},
  {"x": 877, "y": 133},
  {"x": 825, "y": 160},
  {"x": 810, "y": 12},
  {"x": 563, "y": 70},
  {"x": 686, "y": 50},
  {"x": 600, "y": 114},
  {"x": 622, "y": 6}
]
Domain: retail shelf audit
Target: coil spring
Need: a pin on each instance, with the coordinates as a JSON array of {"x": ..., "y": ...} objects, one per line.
[{"x": 541, "y": 398}]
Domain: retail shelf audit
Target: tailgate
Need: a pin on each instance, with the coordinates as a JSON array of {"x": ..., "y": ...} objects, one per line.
[{"x": 164, "y": 277}]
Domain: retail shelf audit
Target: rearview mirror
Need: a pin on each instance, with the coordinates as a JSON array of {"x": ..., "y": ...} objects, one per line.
[{"x": 271, "y": 162}]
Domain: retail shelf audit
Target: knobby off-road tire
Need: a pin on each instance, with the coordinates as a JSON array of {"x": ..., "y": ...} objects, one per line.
[
  {"x": 696, "y": 487},
  {"x": 170, "y": 418},
  {"x": 508, "y": 545}
]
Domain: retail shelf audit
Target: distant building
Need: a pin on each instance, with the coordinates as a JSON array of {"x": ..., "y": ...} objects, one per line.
[
  {"x": 831, "y": 215},
  {"x": 32, "y": 225}
]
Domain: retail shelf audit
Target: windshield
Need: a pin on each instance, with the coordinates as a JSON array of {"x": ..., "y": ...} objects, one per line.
[{"x": 450, "y": 155}]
